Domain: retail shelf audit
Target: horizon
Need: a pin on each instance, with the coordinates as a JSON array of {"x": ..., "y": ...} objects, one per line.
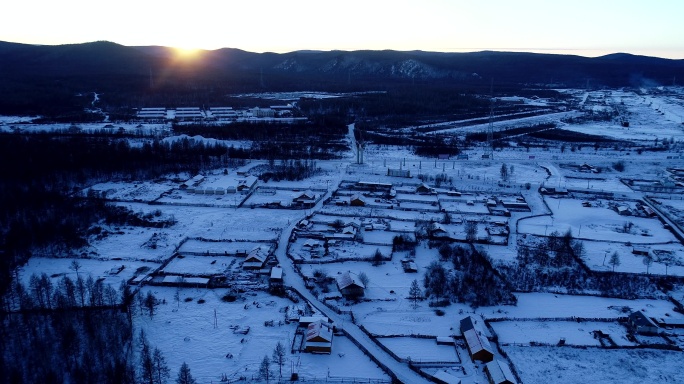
[
  {"x": 192, "y": 51},
  {"x": 582, "y": 28}
]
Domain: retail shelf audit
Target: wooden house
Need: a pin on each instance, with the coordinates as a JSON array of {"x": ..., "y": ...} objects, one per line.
[
  {"x": 256, "y": 258},
  {"x": 319, "y": 336},
  {"x": 350, "y": 286},
  {"x": 642, "y": 324},
  {"x": 305, "y": 199},
  {"x": 357, "y": 200}
]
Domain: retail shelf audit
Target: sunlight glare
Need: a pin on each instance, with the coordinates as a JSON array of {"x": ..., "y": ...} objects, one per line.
[{"x": 187, "y": 52}]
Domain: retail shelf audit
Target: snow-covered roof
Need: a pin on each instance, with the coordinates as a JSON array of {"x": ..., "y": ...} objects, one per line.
[
  {"x": 319, "y": 332},
  {"x": 276, "y": 273},
  {"x": 641, "y": 320},
  {"x": 477, "y": 343},
  {"x": 347, "y": 279},
  {"x": 500, "y": 372},
  {"x": 443, "y": 376},
  {"x": 174, "y": 279}
]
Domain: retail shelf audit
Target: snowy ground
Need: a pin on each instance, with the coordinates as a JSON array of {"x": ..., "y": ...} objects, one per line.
[
  {"x": 551, "y": 332},
  {"x": 592, "y": 365},
  {"x": 201, "y": 334}
]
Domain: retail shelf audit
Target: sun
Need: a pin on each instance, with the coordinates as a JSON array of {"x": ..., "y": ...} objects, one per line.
[{"x": 187, "y": 52}]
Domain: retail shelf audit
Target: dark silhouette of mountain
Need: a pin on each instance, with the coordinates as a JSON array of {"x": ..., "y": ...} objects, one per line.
[{"x": 133, "y": 71}]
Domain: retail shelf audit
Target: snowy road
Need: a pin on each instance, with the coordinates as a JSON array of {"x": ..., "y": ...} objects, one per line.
[{"x": 292, "y": 279}]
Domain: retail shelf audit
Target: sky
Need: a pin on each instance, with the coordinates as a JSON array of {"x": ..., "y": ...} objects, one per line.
[{"x": 580, "y": 27}]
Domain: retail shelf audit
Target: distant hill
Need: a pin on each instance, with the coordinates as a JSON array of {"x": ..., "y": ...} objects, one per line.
[{"x": 129, "y": 71}]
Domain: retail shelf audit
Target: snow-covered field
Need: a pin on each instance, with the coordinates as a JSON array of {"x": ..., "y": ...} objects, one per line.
[
  {"x": 202, "y": 335},
  {"x": 551, "y": 332},
  {"x": 594, "y": 365}
]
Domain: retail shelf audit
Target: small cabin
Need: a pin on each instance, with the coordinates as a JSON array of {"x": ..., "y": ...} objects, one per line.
[
  {"x": 642, "y": 324},
  {"x": 319, "y": 336},
  {"x": 350, "y": 286}
]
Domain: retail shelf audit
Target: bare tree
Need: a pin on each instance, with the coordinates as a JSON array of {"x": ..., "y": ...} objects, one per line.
[
  {"x": 614, "y": 260},
  {"x": 75, "y": 266},
  {"x": 504, "y": 172},
  {"x": 150, "y": 303},
  {"x": 279, "y": 356},
  {"x": 364, "y": 279},
  {"x": 161, "y": 370},
  {"x": 648, "y": 261},
  {"x": 265, "y": 369},
  {"x": 471, "y": 231}
]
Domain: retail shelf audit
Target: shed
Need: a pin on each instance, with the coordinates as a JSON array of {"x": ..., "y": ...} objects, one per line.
[
  {"x": 305, "y": 321},
  {"x": 640, "y": 250},
  {"x": 438, "y": 230},
  {"x": 276, "y": 274},
  {"x": 445, "y": 340},
  {"x": 409, "y": 266},
  {"x": 399, "y": 172},
  {"x": 357, "y": 200},
  {"x": 424, "y": 188},
  {"x": 642, "y": 324},
  {"x": 350, "y": 286},
  {"x": 444, "y": 377},
  {"x": 478, "y": 346},
  {"x": 247, "y": 184},
  {"x": 499, "y": 372},
  {"x": 623, "y": 210},
  {"x": 319, "y": 336}
]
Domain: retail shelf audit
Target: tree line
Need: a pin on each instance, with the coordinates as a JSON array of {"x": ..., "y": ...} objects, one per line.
[{"x": 473, "y": 279}]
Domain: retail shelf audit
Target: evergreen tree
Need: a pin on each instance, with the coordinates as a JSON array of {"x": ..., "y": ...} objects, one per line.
[
  {"x": 184, "y": 376},
  {"x": 415, "y": 293},
  {"x": 150, "y": 303}
]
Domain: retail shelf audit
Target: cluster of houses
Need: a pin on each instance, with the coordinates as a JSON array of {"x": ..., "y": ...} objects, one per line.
[{"x": 214, "y": 113}]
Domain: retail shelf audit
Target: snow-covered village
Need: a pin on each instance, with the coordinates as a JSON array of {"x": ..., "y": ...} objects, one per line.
[{"x": 549, "y": 250}]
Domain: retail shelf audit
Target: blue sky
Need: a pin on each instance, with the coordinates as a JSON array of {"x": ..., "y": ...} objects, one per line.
[{"x": 582, "y": 27}]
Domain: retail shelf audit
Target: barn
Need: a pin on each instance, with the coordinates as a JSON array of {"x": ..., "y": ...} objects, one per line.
[
  {"x": 319, "y": 336},
  {"x": 478, "y": 346}
]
